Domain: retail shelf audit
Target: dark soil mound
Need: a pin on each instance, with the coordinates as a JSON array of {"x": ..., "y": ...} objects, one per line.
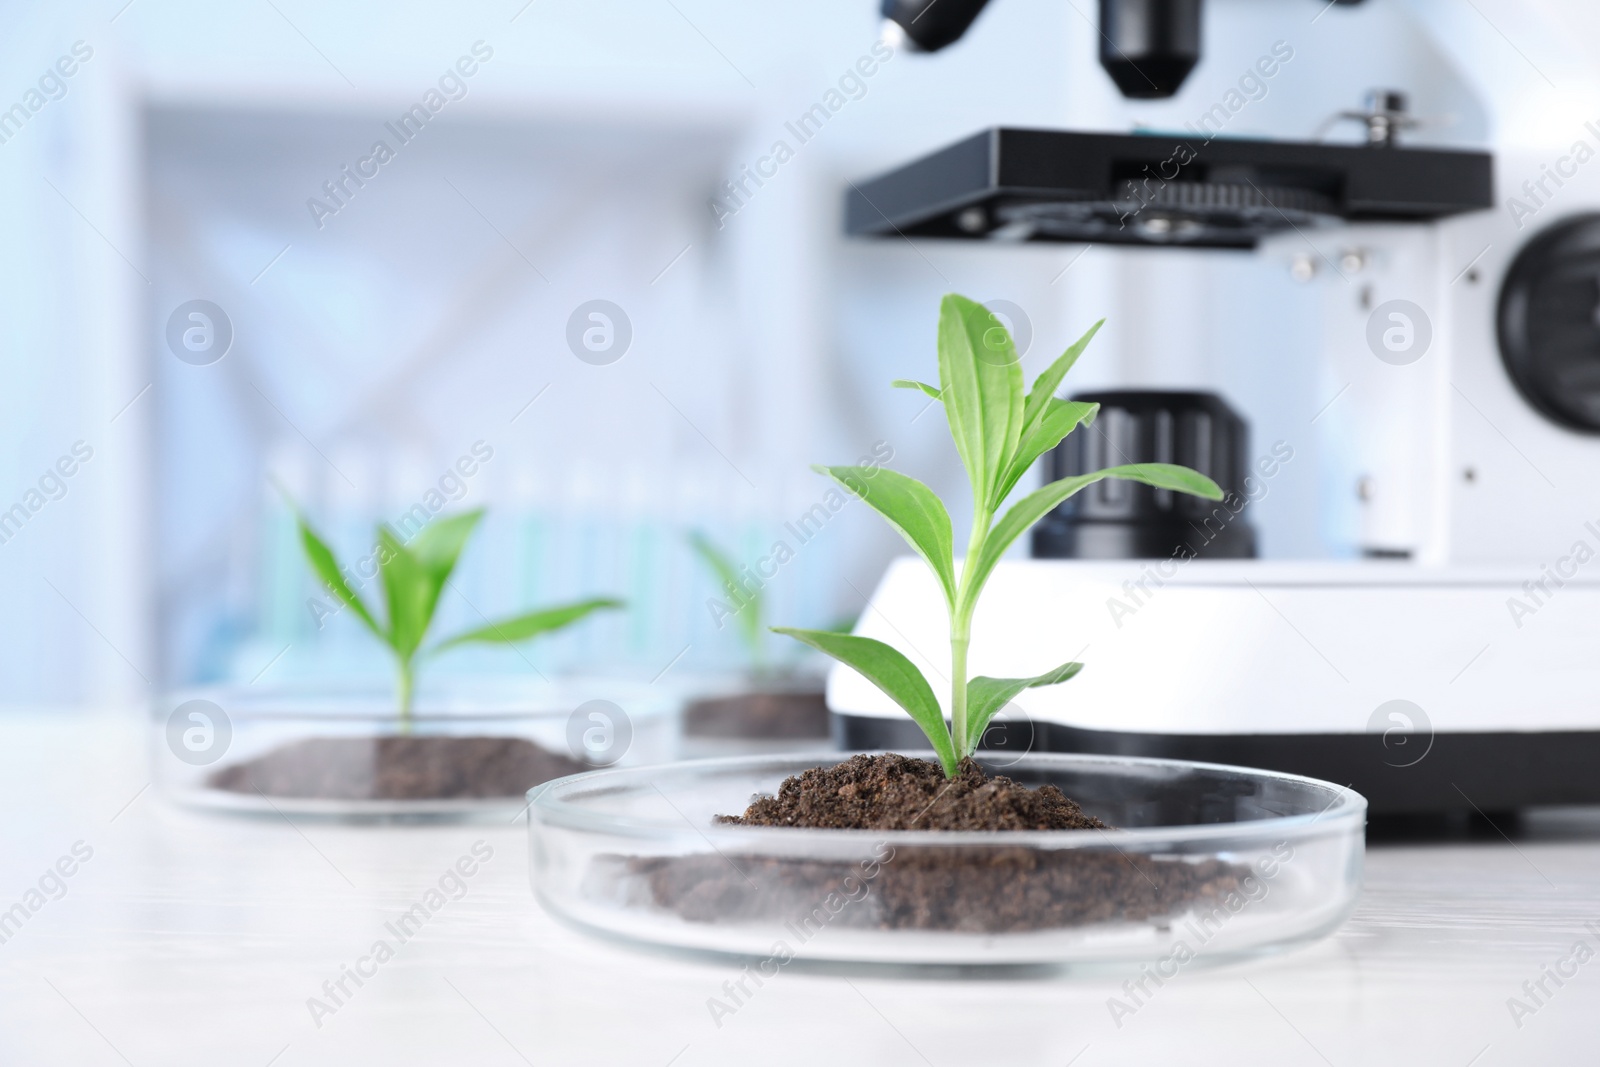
[
  {"x": 988, "y": 889},
  {"x": 757, "y": 715},
  {"x": 397, "y": 768},
  {"x": 898, "y": 793}
]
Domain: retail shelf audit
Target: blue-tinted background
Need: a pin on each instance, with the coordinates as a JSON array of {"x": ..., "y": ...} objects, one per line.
[{"x": 377, "y": 344}]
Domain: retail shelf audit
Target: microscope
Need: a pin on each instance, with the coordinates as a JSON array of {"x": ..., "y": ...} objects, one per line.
[{"x": 1450, "y": 662}]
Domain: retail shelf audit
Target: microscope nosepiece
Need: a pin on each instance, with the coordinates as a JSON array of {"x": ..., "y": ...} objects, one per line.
[{"x": 929, "y": 25}]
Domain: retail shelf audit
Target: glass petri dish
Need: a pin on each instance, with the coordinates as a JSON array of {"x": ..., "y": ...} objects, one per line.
[
  {"x": 344, "y": 752},
  {"x": 1207, "y": 862}
]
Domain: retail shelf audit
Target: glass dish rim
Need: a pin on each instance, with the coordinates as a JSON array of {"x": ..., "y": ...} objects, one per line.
[{"x": 544, "y": 808}]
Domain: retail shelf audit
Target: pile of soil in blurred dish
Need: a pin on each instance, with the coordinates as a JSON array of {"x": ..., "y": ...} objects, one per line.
[
  {"x": 759, "y": 715},
  {"x": 397, "y": 768},
  {"x": 985, "y": 888}
]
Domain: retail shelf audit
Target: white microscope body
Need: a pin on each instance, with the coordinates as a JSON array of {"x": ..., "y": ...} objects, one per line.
[{"x": 1453, "y": 663}]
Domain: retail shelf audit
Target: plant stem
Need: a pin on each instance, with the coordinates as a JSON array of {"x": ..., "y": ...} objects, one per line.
[
  {"x": 406, "y": 683},
  {"x": 958, "y": 690},
  {"x": 961, "y": 631},
  {"x": 758, "y": 659}
]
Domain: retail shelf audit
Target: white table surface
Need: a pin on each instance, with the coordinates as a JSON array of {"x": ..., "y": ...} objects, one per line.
[{"x": 190, "y": 938}]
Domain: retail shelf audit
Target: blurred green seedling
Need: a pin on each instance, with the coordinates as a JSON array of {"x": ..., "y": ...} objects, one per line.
[{"x": 414, "y": 575}]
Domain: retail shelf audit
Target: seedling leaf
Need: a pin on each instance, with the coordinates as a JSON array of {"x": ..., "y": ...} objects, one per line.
[
  {"x": 438, "y": 545},
  {"x": 1055, "y": 422},
  {"x": 986, "y": 696},
  {"x": 1037, "y": 504},
  {"x": 1045, "y": 386},
  {"x": 913, "y": 509},
  {"x": 908, "y": 383},
  {"x": 980, "y": 380},
  {"x": 889, "y": 670},
  {"x": 727, "y": 572},
  {"x": 322, "y": 561},
  {"x": 530, "y": 624},
  {"x": 410, "y": 594}
]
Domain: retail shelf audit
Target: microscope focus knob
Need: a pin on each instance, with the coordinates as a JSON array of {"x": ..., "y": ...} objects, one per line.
[{"x": 1549, "y": 323}]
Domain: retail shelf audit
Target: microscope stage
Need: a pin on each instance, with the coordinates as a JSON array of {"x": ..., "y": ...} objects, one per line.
[{"x": 1167, "y": 189}]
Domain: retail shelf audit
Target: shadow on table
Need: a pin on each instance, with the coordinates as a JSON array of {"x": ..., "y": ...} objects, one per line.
[{"x": 1532, "y": 824}]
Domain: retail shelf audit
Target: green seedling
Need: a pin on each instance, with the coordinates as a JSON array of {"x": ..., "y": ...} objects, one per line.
[
  {"x": 752, "y": 604},
  {"x": 414, "y": 575},
  {"x": 999, "y": 433}
]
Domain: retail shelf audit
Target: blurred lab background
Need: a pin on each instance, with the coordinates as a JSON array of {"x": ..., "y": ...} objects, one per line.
[{"x": 395, "y": 319}]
